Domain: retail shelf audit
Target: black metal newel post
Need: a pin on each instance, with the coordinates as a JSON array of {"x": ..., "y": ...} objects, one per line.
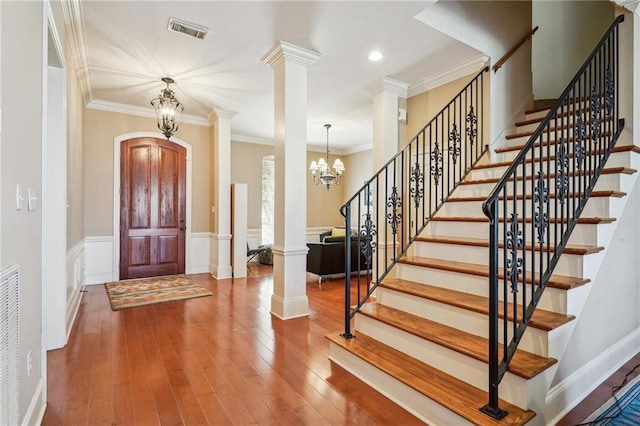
[
  {"x": 492, "y": 409},
  {"x": 347, "y": 276}
]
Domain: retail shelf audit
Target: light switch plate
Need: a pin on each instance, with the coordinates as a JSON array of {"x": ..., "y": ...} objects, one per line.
[
  {"x": 33, "y": 199},
  {"x": 19, "y": 197}
]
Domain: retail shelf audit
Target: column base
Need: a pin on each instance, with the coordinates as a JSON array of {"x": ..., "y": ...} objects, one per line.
[{"x": 294, "y": 307}]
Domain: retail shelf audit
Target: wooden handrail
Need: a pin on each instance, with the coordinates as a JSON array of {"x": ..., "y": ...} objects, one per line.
[{"x": 513, "y": 50}]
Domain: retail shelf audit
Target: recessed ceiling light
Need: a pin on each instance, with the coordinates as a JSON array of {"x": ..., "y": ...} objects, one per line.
[{"x": 376, "y": 55}]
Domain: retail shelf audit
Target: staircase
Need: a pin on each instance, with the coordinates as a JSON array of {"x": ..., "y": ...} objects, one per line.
[{"x": 422, "y": 332}]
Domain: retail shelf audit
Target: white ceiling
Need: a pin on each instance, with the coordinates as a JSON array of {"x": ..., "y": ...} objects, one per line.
[{"x": 128, "y": 49}]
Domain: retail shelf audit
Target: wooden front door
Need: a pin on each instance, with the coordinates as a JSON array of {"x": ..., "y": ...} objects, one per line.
[{"x": 152, "y": 208}]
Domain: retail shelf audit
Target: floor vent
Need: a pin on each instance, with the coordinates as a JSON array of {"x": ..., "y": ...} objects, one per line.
[{"x": 9, "y": 345}]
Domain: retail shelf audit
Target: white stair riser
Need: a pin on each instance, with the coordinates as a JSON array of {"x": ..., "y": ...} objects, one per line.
[
  {"x": 553, "y": 299},
  {"x": 562, "y": 133},
  {"x": 533, "y": 126},
  {"x": 596, "y": 207},
  {"x": 616, "y": 159},
  {"x": 534, "y": 340},
  {"x": 568, "y": 264},
  {"x": 511, "y": 155},
  {"x": 414, "y": 402},
  {"x": 512, "y": 388},
  {"x": 611, "y": 182},
  {"x": 583, "y": 234}
]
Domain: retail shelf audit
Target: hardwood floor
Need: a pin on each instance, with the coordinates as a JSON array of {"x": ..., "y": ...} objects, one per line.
[{"x": 221, "y": 359}]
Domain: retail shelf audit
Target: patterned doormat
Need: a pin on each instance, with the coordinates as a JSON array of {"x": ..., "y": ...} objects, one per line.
[{"x": 146, "y": 291}]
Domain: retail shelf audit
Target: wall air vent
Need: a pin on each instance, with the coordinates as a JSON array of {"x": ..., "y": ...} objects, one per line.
[{"x": 184, "y": 27}]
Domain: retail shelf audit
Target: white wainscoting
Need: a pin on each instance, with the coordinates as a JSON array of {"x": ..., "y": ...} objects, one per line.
[
  {"x": 200, "y": 253},
  {"x": 98, "y": 259},
  {"x": 75, "y": 282}
]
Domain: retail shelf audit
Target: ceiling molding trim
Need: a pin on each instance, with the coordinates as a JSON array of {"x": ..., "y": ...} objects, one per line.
[
  {"x": 217, "y": 114},
  {"x": 287, "y": 52},
  {"x": 449, "y": 75},
  {"x": 143, "y": 112},
  {"x": 74, "y": 24},
  {"x": 359, "y": 148},
  {"x": 250, "y": 139},
  {"x": 630, "y": 5},
  {"x": 388, "y": 85}
]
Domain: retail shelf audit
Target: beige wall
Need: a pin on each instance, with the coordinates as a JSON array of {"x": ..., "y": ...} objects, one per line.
[
  {"x": 246, "y": 167},
  {"x": 100, "y": 129},
  {"x": 21, "y": 59},
  {"x": 423, "y": 107},
  {"x": 75, "y": 155}
]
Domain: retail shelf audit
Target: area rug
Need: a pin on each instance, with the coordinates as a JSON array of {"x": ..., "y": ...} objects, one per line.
[
  {"x": 625, "y": 412},
  {"x": 146, "y": 291}
]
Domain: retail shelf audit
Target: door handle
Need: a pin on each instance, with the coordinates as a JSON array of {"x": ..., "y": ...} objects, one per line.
[{"x": 182, "y": 225}]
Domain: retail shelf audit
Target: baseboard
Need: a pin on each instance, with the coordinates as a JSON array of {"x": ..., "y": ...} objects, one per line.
[
  {"x": 37, "y": 406},
  {"x": 73, "y": 305},
  {"x": 564, "y": 396}
]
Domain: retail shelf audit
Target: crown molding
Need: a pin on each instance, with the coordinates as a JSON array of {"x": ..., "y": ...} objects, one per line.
[
  {"x": 250, "y": 139},
  {"x": 449, "y": 75},
  {"x": 218, "y": 114},
  {"x": 388, "y": 85},
  {"x": 143, "y": 112},
  {"x": 287, "y": 52},
  {"x": 55, "y": 35},
  {"x": 74, "y": 25},
  {"x": 630, "y": 5},
  {"x": 359, "y": 148}
]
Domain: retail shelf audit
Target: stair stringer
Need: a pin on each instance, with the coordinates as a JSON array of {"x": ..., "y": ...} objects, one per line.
[{"x": 592, "y": 354}]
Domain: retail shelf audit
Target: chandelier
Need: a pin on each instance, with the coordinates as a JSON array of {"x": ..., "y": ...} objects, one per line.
[
  {"x": 322, "y": 173},
  {"x": 168, "y": 109}
]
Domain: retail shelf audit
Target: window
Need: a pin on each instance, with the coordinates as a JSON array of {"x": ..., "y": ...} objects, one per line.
[{"x": 268, "y": 203}]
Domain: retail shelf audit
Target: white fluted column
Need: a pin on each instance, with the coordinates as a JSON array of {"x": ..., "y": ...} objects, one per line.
[
  {"x": 289, "y": 64},
  {"x": 220, "y": 266}
]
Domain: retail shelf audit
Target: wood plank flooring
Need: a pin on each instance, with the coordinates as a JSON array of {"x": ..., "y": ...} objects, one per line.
[{"x": 221, "y": 359}]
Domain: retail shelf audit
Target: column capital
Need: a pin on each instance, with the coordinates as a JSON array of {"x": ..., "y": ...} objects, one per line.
[
  {"x": 218, "y": 114},
  {"x": 287, "y": 52},
  {"x": 388, "y": 85}
]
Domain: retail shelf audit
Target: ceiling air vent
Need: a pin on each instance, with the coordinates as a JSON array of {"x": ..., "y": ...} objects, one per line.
[{"x": 184, "y": 27}]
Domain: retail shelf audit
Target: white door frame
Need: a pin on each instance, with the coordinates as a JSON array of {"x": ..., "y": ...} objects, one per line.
[{"x": 117, "y": 142}]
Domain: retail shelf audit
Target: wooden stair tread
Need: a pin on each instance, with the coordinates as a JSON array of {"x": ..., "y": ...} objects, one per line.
[
  {"x": 480, "y": 242},
  {"x": 551, "y": 129},
  {"x": 544, "y": 143},
  {"x": 562, "y": 282},
  {"x": 459, "y": 397},
  {"x": 523, "y": 364},
  {"x": 617, "y": 149},
  {"x": 541, "y": 319},
  {"x": 538, "y": 109},
  {"x": 607, "y": 171},
  {"x": 552, "y": 195},
  {"x": 582, "y": 220}
]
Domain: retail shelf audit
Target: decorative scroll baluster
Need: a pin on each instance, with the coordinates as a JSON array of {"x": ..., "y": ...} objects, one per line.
[
  {"x": 472, "y": 121},
  {"x": 367, "y": 244},
  {"x": 608, "y": 90},
  {"x": 596, "y": 107},
  {"x": 416, "y": 189},
  {"x": 454, "y": 144},
  {"x": 436, "y": 164},
  {"x": 541, "y": 200},
  {"x": 394, "y": 202},
  {"x": 514, "y": 243},
  {"x": 562, "y": 171},
  {"x": 579, "y": 133}
]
